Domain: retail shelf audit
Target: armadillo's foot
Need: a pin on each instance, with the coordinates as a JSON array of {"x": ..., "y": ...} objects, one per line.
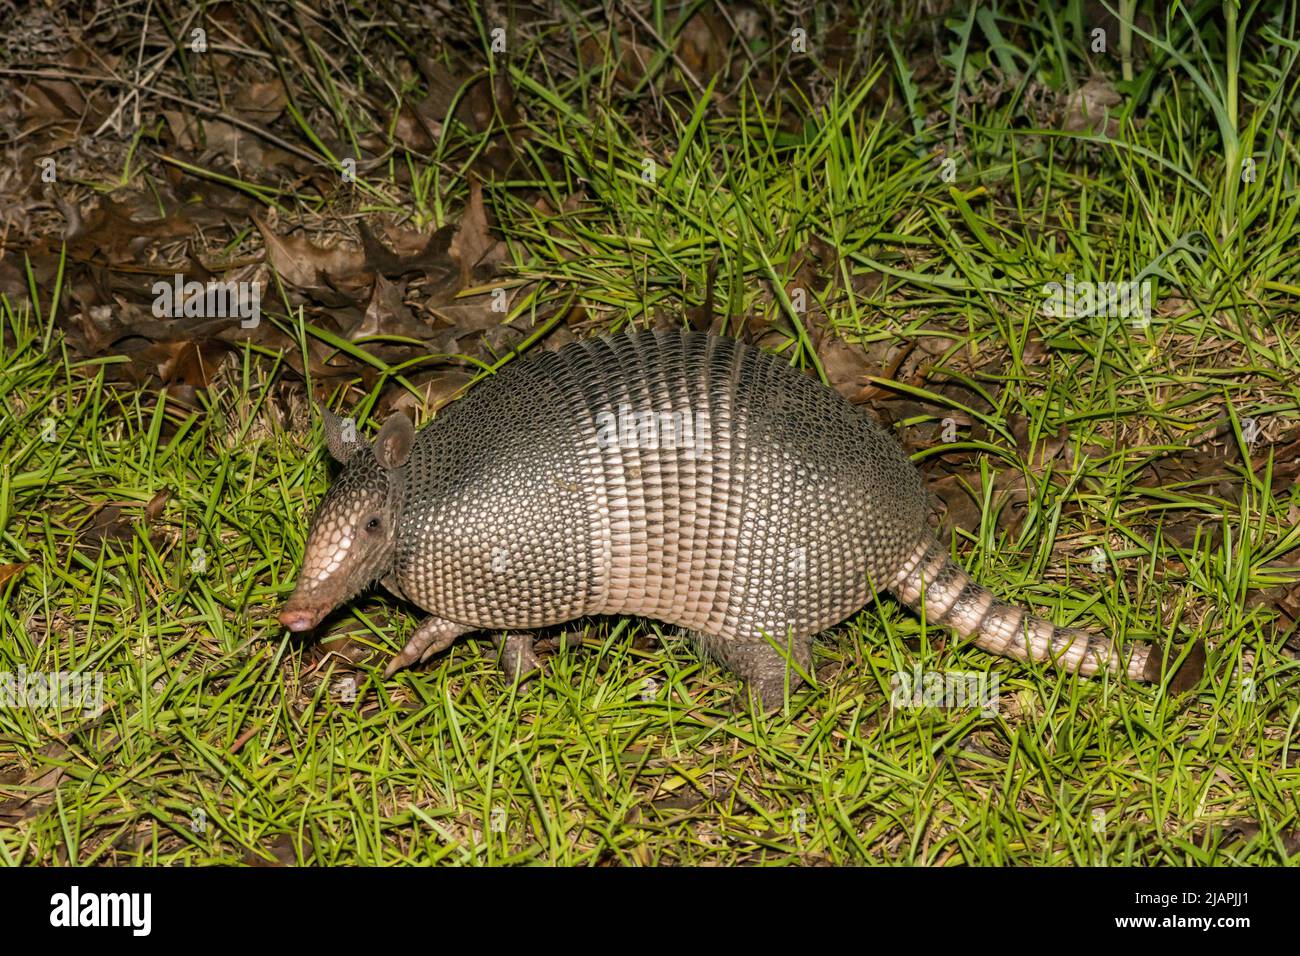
[
  {"x": 516, "y": 656},
  {"x": 433, "y": 635},
  {"x": 766, "y": 668},
  {"x": 769, "y": 694}
]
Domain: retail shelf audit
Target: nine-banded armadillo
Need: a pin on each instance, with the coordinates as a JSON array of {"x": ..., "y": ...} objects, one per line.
[{"x": 677, "y": 476}]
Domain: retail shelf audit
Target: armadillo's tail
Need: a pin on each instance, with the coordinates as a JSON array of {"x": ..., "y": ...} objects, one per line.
[{"x": 932, "y": 582}]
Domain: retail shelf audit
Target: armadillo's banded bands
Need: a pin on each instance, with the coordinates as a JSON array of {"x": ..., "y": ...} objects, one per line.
[{"x": 932, "y": 583}]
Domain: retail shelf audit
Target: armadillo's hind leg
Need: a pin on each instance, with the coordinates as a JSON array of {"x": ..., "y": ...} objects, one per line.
[
  {"x": 433, "y": 635},
  {"x": 516, "y": 655},
  {"x": 764, "y": 665}
]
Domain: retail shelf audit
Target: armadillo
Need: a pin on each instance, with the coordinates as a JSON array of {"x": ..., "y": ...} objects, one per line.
[{"x": 678, "y": 476}]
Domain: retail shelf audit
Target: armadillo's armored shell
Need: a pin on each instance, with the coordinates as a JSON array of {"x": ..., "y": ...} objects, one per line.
[{"x": 681, "y": 477}]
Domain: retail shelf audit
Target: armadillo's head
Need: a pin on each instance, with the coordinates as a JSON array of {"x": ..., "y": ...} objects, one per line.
[{"x": 353, "y": 536}]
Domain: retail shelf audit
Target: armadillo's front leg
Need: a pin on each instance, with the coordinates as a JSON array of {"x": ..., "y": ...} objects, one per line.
[
  {"x": 433, "y": 635},
  {"x": 516, "y": 655}
]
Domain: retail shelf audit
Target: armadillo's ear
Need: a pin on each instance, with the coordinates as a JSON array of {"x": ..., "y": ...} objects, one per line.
[
  {"x": 393, "y": 443},
  {"x": 340, "y": 435}
]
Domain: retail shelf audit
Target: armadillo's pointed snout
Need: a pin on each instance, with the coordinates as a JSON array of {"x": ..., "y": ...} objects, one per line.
[{"x": 299, "y": 619}]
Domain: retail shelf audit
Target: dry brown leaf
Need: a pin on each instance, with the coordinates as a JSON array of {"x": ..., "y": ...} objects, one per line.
[
  {"x": 262, "y": 102},
  {"x": 302, "y": 263},
  {"x": 116, "y": 233},
  {"x": 281, "y": 852},
  {"x": 435, "y": 389},
  {"x": 850, "y": 367},
  {"x": 631, "y": 59},
  {"x": 10, "y": 571},
  {"x": 472, "y": 239},
  {"x": 387, "y": 313},
  {"x": 1088, "y": 107},
  {"x": 154, "y": 508},
  {"x": 703, "y": 43},
  {"x": 40, "y": 787}
]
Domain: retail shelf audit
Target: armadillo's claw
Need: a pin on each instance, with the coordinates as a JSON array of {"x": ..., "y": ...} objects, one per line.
[
  {"x": 406, "y": 658},
  {"x": 1186, "y": 676},
  {"x": 433, "y": 635}
]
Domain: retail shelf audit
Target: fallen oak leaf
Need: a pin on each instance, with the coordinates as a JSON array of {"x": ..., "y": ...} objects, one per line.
[
  {"x": 302, "y": 263},
  {"x": 387, "y": 314},
  {"x": 412, "y": 252},
  {"x": 472, "y": 239}
]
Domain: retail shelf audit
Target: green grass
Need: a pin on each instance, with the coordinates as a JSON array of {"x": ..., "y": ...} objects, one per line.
[{"x": 223, "y": 740}]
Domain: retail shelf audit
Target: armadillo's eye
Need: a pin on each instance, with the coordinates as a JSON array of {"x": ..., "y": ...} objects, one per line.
[{"x": 373, "y": 524}]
